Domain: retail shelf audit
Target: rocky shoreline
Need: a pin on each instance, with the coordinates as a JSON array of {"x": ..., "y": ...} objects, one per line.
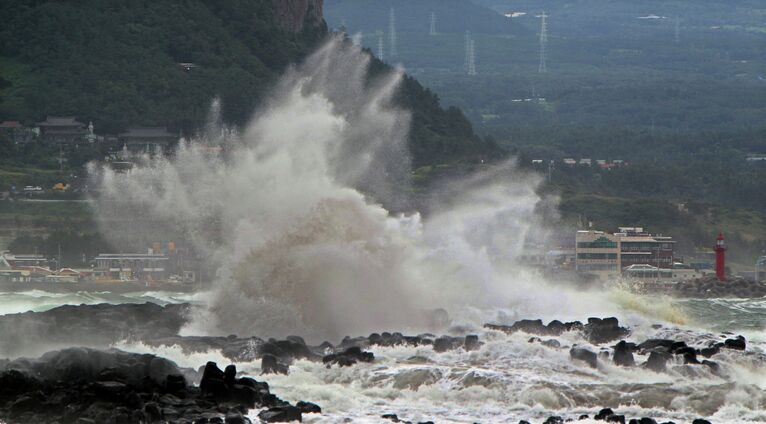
[
  {"x": 89, "y": 385},
  {"x": 702, "y": 288}
]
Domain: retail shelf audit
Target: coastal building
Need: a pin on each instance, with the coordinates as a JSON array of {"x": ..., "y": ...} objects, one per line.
[
  {"x": 598, "y": 254},
  {"x": 17, "y": 132},
  {"x": 631, "y": 252},
  {"x": 147, "y": 139},
  {"x": 24, "y": 260},
  {"x": 638, "y": 247},
  {"x": 63, "y": 130},
  {"x": 132, "y": 266}
]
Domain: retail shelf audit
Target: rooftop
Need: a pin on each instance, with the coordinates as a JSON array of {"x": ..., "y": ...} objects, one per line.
[
  {"x": 60, "y": 121},
  {"x": 151, "y": 132}
]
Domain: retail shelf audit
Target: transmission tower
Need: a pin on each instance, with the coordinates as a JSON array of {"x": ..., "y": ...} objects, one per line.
[
  {"x": 380, "y": 45},
  {"x": 678, "y": 30},
  {"x": 543, "y": 68},
  {"x": 392, "y": 33},
  {"x": 469, "y": 66},
  {"x": 432, "y": 30}
]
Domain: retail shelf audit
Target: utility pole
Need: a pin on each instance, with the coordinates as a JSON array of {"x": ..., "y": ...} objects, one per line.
[
  {"x": 380, "y": 45},
  {"x": 392, "y": 52},
  {"x": 543, "y": 68},
  {"x": 469, "y": 65}
]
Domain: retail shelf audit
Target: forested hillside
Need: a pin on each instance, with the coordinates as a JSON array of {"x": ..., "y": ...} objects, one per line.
[{"x": 120, "y": 64}]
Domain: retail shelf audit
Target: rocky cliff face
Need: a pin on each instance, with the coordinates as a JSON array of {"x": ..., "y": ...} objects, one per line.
[{"x": 297, "y": 15}]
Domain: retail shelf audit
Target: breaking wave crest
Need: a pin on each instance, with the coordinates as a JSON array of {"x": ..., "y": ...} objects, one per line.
[{"x": 295, "y": 216}]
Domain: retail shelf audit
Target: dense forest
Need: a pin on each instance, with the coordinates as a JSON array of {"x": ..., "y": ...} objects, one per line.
[{"x": 117, "y": 64}]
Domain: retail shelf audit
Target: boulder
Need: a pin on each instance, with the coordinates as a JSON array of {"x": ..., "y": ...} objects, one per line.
[
  {"x": 623, "y": 355},
  {"x": 583, "y": 354},
  {"x": 308, "y": 407},
  {"x": 270, "y": 364},
  {"x": 281, "y": 414},
  {"x": 598, "y": 331},
  {"x": 657, "y": 361},
  {"x": 602, "y": 414},
  {"x": 736, "y": 344},
  {"x": 471, "y": 342},
  {"x": 348, "y": 357}
]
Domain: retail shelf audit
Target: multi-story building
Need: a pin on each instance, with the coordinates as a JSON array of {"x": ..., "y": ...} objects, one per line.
[
  {"x": 630, "y": 251},
  {"x": 598, "y": 253},
  {"x": 62, "y": 129},
  {"x": 637, "y": 247}
]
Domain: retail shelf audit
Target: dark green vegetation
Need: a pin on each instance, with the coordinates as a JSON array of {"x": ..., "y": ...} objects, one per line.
[
  {"x": 117, "y": 64},
  {"x": 682, "y": 98}
]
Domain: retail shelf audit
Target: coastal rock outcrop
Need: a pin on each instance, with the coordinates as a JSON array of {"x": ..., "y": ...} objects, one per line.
[{"x": 87, "y": 385}]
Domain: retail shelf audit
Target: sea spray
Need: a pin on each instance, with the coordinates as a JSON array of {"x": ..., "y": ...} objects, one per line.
[{"x": 295, "y": 215}]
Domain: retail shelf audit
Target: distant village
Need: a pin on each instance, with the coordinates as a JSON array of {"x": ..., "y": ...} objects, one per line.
[
  {"x": 162, "y": 264},
  {"x": 632, "y": 254},
  {"x": 629, "y": 254}
]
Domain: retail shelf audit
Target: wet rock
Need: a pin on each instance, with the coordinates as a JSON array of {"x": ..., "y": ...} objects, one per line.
[
  {"x": 554, "y": 420},
  {"x": 445, "y": 343},
  {"x": 554, "y": 328},
  {"x": 656, "y": 344},
  {"x": 657, "y": 361},
  {"x": 524, "y": 422},
  {"x": 614, "y": 418},
  {"x": 700, "y": 421},
  {"x": 708, "y": 352},
  {"x": 598, "y": 331},
  {"x": 281, "y": 414},
  {"x": 602, "y": 414},
  {"x": 583, "y": 417},
  {"x": 348, "y": 357},
  {"x": 551, "y": 343},
  {"x": 235, "y": 417},
  {"x": 715, "y": 368},
  {"x": 308, "y": 407},
  {"x": 471, "y": 342},
  {"x": 736, "y": 344},
  {"x": 623, "y": 355},
  {"x": 391, "y": 417},
  {"x": 583, "y": 354},
  {"x": 644, "y": 420},
  {"x": 271, "y": 365}
]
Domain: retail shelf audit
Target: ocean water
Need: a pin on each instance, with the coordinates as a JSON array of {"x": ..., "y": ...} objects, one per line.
[{"x": 508, "y": 378}]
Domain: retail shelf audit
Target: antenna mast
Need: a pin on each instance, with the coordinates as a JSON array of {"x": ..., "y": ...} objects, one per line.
[
  {"x": 470, "y": 54},
  {"x": 543, "y": 68},
  {"x": 380, "y": 45},
  {"x": 392, "y": 33},
  {"x": 432, "y": 30}
]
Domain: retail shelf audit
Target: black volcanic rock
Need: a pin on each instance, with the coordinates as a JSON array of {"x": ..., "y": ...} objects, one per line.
[
  {"x": 82, "y": 385},
  {"x": 598, "y": 331},
  {"x": 554, "y": 328},
  {"x": 308, "y": 407},
  {"x": 271, "y": 365},
  {"x": 623, "y": 354},
  {"x": 602, "y": 414},
  {"x": 736, "y": 344},
  {"x": 583, "y": 354},
  {"x": 348, "y": 357},
  {"x": 657, "y": 361},
  {"x": 281, "y": 414}
]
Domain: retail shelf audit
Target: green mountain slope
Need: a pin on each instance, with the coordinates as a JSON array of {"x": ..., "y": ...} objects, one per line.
[{"x": 116, "y": 63}]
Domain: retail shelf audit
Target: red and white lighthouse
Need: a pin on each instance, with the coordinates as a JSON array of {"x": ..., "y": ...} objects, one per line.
[{"x": 720, "y": 258}]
